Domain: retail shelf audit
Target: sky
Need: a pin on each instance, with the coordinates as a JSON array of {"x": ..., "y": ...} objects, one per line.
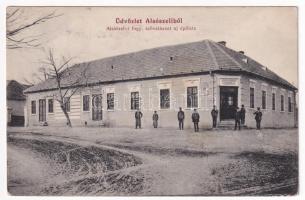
[{"x": 267, "y": 34}]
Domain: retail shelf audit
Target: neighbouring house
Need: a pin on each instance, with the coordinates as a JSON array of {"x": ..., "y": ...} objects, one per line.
[
  {"x": 16, "y": 102},
  {"x": 192, "y": 75}
]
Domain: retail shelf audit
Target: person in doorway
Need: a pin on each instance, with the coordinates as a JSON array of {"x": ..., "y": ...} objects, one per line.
[
  {"x": 258, "y": 118},
  {"x": 138, "y": 116},
  {"x": 195, "y": 118},
  {"x": 180, "y": 118},
  {"x": 242, "y": 115},
  {"x": 237, "y": 118},
  {"x": 155, "y": 119},
  {"x": 214, "y": 114}
]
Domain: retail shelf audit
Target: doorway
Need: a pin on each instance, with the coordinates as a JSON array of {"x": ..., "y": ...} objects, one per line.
[
  {"x": 97, "y": 112},
  {"x": 42, "y": 110},
  {"x": 228, "y": 102}
]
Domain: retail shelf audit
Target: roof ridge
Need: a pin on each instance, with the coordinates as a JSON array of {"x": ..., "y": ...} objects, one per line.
[
  {"x": 212, "y": 54},
  {"x": 229, "y": 56}
]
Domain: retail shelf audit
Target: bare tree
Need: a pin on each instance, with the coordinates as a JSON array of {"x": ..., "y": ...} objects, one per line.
[
  {"x": 17, "y": 25},
  {"x": 41, "y": 75},
  {"x": 67, "y": 84}
]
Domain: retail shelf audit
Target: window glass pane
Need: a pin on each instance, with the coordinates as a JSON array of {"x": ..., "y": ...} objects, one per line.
[
  {"x": 263, "y": 99},
  {"x": 33, "y": 106},
  {"x": 251, "y": 97},
  {"x": 289, "y": 104},
  {"x": 135, "y": 101},
  {"x": 110, "y": 101},
  {"x": 67, "y": 104},
  {"x": 273, "y": 101},
  {"x": 192, "y": 97},
  {"x": 86, "y": 99},
  {"x": 164, "y": 98},
  {"x": 50, "y": 105},
  {"x": 282, "y": 103}
]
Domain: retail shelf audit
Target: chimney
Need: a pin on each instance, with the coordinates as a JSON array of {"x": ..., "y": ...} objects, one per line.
[
  {"x": 241, "y": 52},
  {"x": 222, "y": 43}
]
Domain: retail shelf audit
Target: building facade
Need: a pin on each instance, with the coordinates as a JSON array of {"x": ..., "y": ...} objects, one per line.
[{"x": 194, "y": 75}]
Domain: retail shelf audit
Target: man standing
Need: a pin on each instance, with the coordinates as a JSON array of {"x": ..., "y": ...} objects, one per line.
[
  {"x": 214, "y": 114},
  {"x": 138, "y": 116},
  {"x": 180, "y": 118},
  {"x": 242, "y": 115},
  {"x": 155, "y": 119},
  {"x": 237, "y": 118},
  {"x": 258, "y": 118},
  {"x": 195, "y": 118}
]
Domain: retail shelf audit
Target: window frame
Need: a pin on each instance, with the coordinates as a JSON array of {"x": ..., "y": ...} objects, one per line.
[
  {"x": 132, "y": 99},
  {"x": 160, "y": 99},
  {"x": 264, "y": 100},
  {"x": 273, "y": 101},
  {"x": 252, "y": 98},
  {"x": 282, "y": 103},
  {"x": 193, "y": 94},
  {"x": 107, "y": 99},
  {"x": 88, "y": 103},
  {"x": 51, "y": 107},
  {"x": 290, "y": 110},
  {"x": 33, "y": 101},
  {"x": 67, "y": 100}
]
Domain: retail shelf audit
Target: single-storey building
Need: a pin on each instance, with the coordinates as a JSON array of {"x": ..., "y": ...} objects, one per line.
[
  {"x": 15, "y": 102},
  {"x": 192, "y": 75}
]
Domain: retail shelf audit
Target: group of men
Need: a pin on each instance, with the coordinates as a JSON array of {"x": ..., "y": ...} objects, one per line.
[{"x": 240, "y": 115}]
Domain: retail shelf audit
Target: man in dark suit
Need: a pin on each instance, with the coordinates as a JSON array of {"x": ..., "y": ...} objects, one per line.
[
  {"x": 155, "y": 119},
  {"x": 237, "y": 118},
  {"x": 258, "y": 118},
  {"x": 180, "y": 116},
  {"x": 138, "y": 116},
  {"x": 214, "y": 114},
  {"x": 195, "y": 118},
  {"x": 242, "y": 115}
]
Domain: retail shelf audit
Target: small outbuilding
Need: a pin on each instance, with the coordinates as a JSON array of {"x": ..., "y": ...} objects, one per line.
[{"x": 16, "y": 102}]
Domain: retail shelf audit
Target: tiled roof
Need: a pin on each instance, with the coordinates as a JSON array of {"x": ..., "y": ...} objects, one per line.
[
  {"x": 202, "y": 56},
  {"x": 14, "y": 90}
]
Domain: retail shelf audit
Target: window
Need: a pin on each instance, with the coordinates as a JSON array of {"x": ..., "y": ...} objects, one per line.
[
  {"x": 33, "y": 107},
  {"x": 67, "y": 103},
  {"x": 289, "y": 104},
  {"x": 164, "y": 99},
  {"x": 50, "y": 105},
  {"x": 110, "y": 101},
  {"x": 273, "y": 101},
  {"x": 263, "y": 99},
  {"x": 230, "y": 101},
  {"x": 135, "y": 101},
  {"x": 251, "y": 97},
  {"x": 282, "y": 102},
  {"x": 192, "y": 97},
  {"x": 86, "y": 100}
]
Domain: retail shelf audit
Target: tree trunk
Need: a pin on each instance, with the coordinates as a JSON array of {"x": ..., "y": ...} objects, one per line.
[{"x": 67, "y": 116}]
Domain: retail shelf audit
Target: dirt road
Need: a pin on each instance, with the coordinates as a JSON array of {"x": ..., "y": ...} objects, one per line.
[{"x": 90, "y": 164}]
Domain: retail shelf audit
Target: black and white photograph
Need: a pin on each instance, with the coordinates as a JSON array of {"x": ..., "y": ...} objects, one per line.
[{"x": 152, "y": 101}]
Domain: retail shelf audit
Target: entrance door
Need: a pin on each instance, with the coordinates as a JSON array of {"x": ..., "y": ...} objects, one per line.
[
  {"x": 228, "y": 102},
  {"x": 42, "y": 110},
  {"x": 97, "y": 113}
]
